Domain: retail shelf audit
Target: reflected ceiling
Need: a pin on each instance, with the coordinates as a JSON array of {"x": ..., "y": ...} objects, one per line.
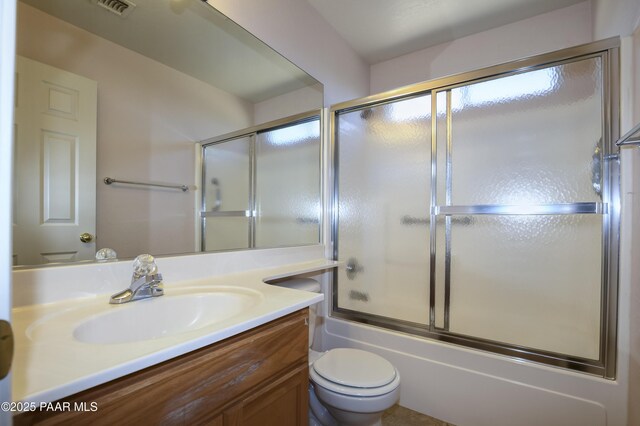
[{"x": 223, "y": 55}]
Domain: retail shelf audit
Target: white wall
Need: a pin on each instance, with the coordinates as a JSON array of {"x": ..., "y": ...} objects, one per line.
[
  {"x": 7, "y": 55},
  {"x": 297, "y": 31},
  {"x": 543, "y": 33},
  {"x": 614, "y": 17},
  {"x": 149, "y": 116}
]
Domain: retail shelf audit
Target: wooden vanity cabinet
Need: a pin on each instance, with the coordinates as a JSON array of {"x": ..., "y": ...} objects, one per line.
[{"x": 259, "y": 377}]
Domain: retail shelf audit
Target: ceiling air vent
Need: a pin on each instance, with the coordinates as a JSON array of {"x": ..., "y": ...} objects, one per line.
[{"x": 121, "y": 8}]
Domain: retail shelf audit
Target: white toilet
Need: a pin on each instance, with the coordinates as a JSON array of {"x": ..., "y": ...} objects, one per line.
[{"x": 347, "y": 386}]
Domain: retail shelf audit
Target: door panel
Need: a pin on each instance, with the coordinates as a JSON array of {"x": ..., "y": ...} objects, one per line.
[
  {"x": 518, "y": 157},
  {"x": 529, "y": 138},
  {"x": 287, "y": 185},
  {"x": 55, "y": 176},
  {"x": 527, "y": 280},
  {"x": 227, "y": 195},
  {"x": 385, "y": 185}
]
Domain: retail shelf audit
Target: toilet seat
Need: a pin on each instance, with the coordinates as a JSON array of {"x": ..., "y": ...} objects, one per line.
[{"x": 354, "y": 372}]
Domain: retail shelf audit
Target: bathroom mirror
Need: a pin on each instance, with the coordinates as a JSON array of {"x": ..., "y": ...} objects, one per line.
[{"x": 129, "y": 90}]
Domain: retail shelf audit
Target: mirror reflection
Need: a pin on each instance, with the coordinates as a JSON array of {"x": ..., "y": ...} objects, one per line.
[
  {"x": 132, "y": 92},
  {"x": 270, "y": 183}
]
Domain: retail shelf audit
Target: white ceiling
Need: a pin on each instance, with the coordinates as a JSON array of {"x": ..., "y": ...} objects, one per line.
[{"x": 383, "y": 29}]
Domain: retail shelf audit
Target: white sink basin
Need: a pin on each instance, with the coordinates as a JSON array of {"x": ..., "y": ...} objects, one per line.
[
  {"x": 162, "y": 316},
  {"x": 178, "y": 311}
]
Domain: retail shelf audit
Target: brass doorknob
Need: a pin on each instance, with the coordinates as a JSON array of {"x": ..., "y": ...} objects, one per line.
[{"x": 86, "y": 237}]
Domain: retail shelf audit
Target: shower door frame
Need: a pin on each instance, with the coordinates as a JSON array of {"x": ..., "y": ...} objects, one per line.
[
  {"x": 251, "y": 133},
  {"x": 608, "y": 51}
]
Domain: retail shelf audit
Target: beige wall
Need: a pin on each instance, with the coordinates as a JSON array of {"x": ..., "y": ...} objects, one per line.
[
  {"x": 612, "y": 18},
  {"x": 149, "y": 116},
  {"x": 301, "y": 100},
  {"x": 543, "y": 33},
  {"x": 297, "y": 31}
]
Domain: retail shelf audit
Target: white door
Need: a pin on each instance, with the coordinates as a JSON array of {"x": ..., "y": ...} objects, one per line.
[
  {"x": 7, "y": 49},
  {"x": 55, "y": 158}
]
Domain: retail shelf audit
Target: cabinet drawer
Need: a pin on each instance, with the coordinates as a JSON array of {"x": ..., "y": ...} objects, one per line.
[{"x": 196, "y": 387}]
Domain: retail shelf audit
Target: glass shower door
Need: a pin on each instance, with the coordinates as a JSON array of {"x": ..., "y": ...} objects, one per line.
[
  {"x": 262, "y": 189},
  {"x": 384, "y": 185},
  {"x": 226, "y": 203},
  {"x": 288, "y": 185},
  {"x": 483, "y": 209},
  {"x": 522, "y": 167}
]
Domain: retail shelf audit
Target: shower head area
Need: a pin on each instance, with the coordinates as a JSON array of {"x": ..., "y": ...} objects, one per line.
[{"x": 482, "y": 209}]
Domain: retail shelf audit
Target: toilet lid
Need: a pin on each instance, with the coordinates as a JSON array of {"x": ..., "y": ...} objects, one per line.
[{"x": 355, "y": 368}]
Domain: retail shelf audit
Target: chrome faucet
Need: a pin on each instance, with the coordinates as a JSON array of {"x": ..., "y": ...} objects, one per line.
[{"x": 146, "y": 282}]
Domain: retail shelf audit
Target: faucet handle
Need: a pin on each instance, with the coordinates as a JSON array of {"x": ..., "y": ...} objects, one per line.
[{"x": 143, "y": 265}]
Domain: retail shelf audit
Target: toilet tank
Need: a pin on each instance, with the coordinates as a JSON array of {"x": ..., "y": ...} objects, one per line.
[{"x": 306, "y": 284}]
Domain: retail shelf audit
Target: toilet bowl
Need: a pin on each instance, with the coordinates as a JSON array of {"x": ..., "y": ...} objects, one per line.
[
  {"x": 349, "y": 387},
  {"x": 355, "y": 386}
]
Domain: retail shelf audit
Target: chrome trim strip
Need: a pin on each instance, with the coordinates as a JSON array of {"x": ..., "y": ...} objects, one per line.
[
  {"x": 335, "y": 216},
  {"x": 322, "y": 182},
  {"x": 230, "y": 213},
  {"x": 251, "y": 203},
  {"x": 203, "y": 221},
  {"x": 610, "y": 222},
  {"x": 271, "y": 125},
  {"x": 496, "y": 70},
  {"x": 516, "y": 352},
  {"x": 539, "y": 209},
  {"x": 434, "y": 203},
  {"x": 447, "y": 219}
]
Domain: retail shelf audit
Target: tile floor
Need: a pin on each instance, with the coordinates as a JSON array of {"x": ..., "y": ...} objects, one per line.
[{"x": 400, "y": 416}]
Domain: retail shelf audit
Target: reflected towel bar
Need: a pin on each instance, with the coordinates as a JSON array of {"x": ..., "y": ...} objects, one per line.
[
  {"x": 109, "y": 181},
  {"x": 410, "y": 220}
]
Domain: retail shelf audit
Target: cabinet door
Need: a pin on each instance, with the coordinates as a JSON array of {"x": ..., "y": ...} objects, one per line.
[
  {"x": 220, "y": 384},
  {"x": 284, "y": 402}
]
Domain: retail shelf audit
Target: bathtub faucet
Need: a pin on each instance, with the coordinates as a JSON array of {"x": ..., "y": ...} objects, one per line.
[{"x": 146, "y": 282}]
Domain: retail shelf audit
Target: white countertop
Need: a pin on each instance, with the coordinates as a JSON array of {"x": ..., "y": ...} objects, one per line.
[{"x": 52, "y": 364}]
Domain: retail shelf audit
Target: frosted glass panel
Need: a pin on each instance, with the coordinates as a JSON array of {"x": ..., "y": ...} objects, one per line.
[
  {"x": 531, "y": 138},
  {"x": 288, "y": 186},
  {"x": 226, "y": 176},
  {"x": 533, "y": 281},
  {"x": 384, "y": 188},
  {"x": 226, "y": 233},
  {"x": 523, "y": 242},
  {"x": 226, "y": 189}
]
